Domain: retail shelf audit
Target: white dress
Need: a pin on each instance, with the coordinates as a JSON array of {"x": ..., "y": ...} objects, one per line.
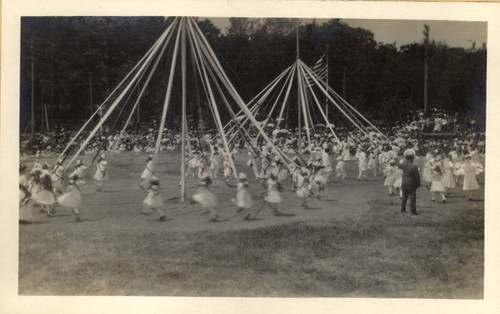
[
  {"x": 302, "y": 190},
  {"x": 273, "y": 195},
  {"x": 243, "y": 197},
  {"x": 205, "y": 197},
  {"x": 363, "y": 164},
  {"x": 101, "y": 174},
  {"x": 437, "y": 182},
  {"x": 148, "y": 171},
  {"x": 470, "y": 180},
  {"x": 45, "y": 197},
  {"x": 390, "y": 175},
  {"x": 72, "y": 197},
  {"x": 398, "y": 181},
  {"x": 25, "y": 206},
  {"x": 448, "y": 177},
  {"x": 427, "y": 174},
  {"x": 153, "y": 199}
]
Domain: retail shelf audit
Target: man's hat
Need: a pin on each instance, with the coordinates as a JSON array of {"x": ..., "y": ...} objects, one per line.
[{"x": 409, "y": 153}]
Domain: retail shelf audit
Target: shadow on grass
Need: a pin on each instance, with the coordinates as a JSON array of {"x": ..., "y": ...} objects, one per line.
[
  {"x": 286, "y": 215},
  {"x": 25, "y": 223},
  {"x": 475, "y": 200},
  {"x": 59, "y": 215},
  {"x": 313, "y": 208},
  {"x": 254, "y": 219}
]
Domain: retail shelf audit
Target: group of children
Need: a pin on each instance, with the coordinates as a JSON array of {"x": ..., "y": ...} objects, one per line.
[
  {"x": 441, "y": 173},
  {"x": 48, "y": 186}
]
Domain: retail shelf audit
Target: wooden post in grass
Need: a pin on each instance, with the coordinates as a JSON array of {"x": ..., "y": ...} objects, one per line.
[
  {"x": 184, "y": 126},
  {"x": 299, "y": 141}
]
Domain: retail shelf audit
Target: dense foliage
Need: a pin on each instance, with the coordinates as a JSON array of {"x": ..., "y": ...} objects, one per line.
[{"x": 73, "y": 54}]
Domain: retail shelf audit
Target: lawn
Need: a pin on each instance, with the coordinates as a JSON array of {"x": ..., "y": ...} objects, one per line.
[{"x": 353, "y": 242}]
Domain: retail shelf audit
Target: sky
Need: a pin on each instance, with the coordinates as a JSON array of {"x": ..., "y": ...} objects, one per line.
[{"x": 402, "y": 32}]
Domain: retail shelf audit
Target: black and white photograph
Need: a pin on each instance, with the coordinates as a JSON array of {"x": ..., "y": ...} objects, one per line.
[{"x": 195, "y": 155}]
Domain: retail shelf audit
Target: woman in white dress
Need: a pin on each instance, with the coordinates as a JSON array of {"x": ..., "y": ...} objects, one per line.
[
  {"x": 101, "y": 173},
  {"x": 72, "y": 197}
]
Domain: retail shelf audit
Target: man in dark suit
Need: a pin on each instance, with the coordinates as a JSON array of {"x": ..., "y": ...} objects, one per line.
[{"x": 411, "y": 181}]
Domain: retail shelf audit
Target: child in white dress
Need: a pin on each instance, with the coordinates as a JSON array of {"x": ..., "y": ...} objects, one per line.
[
  {"x": 390, "y": 176},
  {"x": 372, "y": 162},
  {"x": 206, "y": 197},
  {"x": 449, "y": 180},
  {"x": 79, "y": 171},
  {"x": 398, "y": 181},
  {"x": 470, "y": 181},
  {"x": 101, "y": 173},
  {"x": 303, "y": 187},
  {"x": 45, "y": 196},
  {"x": 427, "y": 173},
  {"x": 243, "y": 199},
  {"x": 72, "y": 197},
  {"x": 273, "y": 197},
  {"x": 153, "y": 200},
  {"x": 362, "y": 164},
  {"x": 25, "y": 214},
  {"x": 147, "y": 173},
  {"x": 437, "y": 185}
]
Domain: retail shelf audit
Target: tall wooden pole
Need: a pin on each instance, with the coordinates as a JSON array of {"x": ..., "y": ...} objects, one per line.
[
  {"x": 299, "y": 107},
  {"x": 90, "y": 93},
  {"x": 52, "y": 72},
  {"x": 183, "y": 66},
  {"x": 426, "y": 43},
  {"x": 138, "y": 109},
  {"x": 42, "y": 109},
  {"x": 326, "y": 83},
  {"x": 343, "y": 84},
  {"x": 32, "y": 91}
]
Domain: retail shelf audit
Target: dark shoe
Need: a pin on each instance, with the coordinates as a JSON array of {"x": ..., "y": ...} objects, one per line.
[
  {"x": 403, "y": 210},
  {"x": 444, "y": 201},
  {"x": 276, "y": 213},
  {"x": 161, "y": 218},
  {"x": 247, "y": 217},
  {"x": 77, "y": 217}
]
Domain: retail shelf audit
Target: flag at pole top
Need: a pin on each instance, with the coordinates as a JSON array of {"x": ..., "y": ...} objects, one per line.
[{"x": 320, "y": 68}]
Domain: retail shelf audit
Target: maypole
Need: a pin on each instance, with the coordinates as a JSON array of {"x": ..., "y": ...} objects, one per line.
[
  {"x": 183, "y": 67},
  {"x": 298, "y": 93}
]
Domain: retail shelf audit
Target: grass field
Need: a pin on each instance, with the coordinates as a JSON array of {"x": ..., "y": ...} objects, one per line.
[{"x": 353, "y": 242}]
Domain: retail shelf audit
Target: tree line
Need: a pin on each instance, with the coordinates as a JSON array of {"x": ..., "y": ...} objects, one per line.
[{"x": 78, "y": 61}]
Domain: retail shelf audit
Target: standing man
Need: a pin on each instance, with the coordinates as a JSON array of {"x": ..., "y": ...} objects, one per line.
[{"x": 411, "y": 181}]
